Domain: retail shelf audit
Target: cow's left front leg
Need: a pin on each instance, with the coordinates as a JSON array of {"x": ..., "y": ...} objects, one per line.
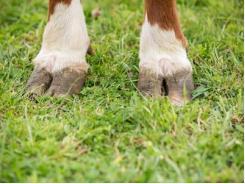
[{"x": 61, "y": 67}]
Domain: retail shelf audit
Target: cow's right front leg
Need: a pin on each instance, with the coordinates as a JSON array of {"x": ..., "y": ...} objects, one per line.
[{"x": 61, "y": 67}]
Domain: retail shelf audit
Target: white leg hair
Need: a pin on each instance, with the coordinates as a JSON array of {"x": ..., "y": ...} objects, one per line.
[
  {"x": 161, "y": 52},
  {"x": 65, "y": 39}
]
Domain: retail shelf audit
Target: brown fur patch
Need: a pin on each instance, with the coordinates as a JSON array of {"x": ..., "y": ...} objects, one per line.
[
  {"x": 164, "y": 13},
  {"x": 53, "y": 3}
]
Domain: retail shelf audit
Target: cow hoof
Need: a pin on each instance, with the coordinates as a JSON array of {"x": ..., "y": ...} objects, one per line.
[
  {"x": 180, "y": 87},
  {"x": 150, "y": 84},
  {"x": 39, "y": 82},
  {"x": 67, "y": 82}
]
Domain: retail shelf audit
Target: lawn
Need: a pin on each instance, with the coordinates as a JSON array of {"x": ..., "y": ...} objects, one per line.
[{"x": 109, "y": 132}]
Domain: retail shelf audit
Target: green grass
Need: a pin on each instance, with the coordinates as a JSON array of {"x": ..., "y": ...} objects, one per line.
[{"x": 109, "y": 133}]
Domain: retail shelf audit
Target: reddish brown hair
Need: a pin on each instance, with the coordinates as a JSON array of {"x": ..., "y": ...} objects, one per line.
[
  {"x": 53, "y": 3},
  {"x": 164, "y": 13}
]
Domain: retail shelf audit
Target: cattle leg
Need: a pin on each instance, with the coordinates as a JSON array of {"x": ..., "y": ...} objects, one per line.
[
  {"x": 61, "y": 67},
  {"x": 163, "y": 53}
]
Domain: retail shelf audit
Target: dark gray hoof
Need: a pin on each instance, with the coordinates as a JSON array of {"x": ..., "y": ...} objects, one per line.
[
  {"x": 150, "y": 84},
  {"x": 67, "y": 82},
  {"x": 39, "y": 82}
]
